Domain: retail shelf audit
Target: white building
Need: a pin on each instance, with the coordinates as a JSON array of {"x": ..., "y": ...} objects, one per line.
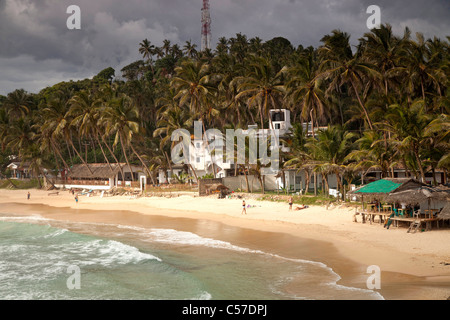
[{"x": 19, "y": 170}]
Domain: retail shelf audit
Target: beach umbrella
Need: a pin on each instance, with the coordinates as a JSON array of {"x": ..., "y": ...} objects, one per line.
[{"x": 383, "y": 187}]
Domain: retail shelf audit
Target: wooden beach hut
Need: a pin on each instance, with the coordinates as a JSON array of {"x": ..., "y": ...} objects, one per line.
[
  {"x": 429, "y": 200},
  {"x": 377, "y": 191}
]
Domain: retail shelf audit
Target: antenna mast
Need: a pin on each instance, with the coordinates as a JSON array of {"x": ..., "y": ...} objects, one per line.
[{"x": 206, "y": 26}]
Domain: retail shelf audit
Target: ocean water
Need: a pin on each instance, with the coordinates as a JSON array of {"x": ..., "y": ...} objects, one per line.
[{"x": 38, "y": 257}]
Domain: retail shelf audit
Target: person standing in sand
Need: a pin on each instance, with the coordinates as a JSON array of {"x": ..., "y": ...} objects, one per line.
[
  {"x": 76, "y": 198},
  {"x": 291, "y": 201},
  {"x": 244, "y": 211},
  {"x": 28, "y": 196}
]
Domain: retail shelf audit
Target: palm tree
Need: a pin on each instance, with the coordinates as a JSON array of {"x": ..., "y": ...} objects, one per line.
[
  {"x": 222, "y": 47},
  {"x": 371, "y": 154},
  {"x": 4, "y": 127},
  {"x": 171, "y": 118},
  {"x": 166, "y": 47},
  {"x": 330, "y": 151},
  {"x": 300, "y": 157},
  {"x": 408, "y": 127},
  {"x": 194, "y": 84},
  {"x": 262, "y": 86},
  {"x": 438, "y": 131},
  {"x": 18, "y": 103},
  {"x": 304, "y": 89},
  {"x": 341, "y": 67},
  {"x": 20, "y": 135},
  {"x": 120, "y": 117},
  {"x": 146, "y": 49},
  {"x": 52, "y": 119},
  {"x": 384, "y": 50},
  {"x": 190, "y": 49},
  {"x": 176, "y": 52},
  {"x": 419, "y": 69},
  {"x": 85, "y": 110}
]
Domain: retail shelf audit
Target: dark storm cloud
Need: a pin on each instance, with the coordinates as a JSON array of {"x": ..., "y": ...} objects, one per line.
[{"x": 37, "y": 49}]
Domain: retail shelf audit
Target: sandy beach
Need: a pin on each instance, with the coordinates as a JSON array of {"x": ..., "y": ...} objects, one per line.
[{"x": 413, "y": 266}]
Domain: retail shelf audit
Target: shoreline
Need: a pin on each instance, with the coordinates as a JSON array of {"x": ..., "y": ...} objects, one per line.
[{"x": 411, "y": 264}]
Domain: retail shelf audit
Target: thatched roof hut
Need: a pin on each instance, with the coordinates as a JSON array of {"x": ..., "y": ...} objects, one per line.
[
  {"x": 100, "y": 171},
  {"x": 418, "y": 195},
  {"x": 445, "y": 213}
]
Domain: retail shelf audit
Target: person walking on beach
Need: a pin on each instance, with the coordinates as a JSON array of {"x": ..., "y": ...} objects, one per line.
[
  {"x": 244, "y": 211},
  {"x": 28, "y": 196},
  {"x": 76, "y": 198},
  {"x": 291, "y": 201}
]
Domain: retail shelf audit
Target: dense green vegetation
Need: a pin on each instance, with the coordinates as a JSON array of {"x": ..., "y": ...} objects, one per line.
[{"x": 386, "y": 104}]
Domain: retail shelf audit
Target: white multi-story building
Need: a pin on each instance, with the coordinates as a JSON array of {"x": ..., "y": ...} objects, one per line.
[{"x": 204, "y": 161}]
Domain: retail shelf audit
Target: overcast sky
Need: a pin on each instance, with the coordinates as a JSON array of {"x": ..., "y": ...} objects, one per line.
[{"x": 38, "y": 50}]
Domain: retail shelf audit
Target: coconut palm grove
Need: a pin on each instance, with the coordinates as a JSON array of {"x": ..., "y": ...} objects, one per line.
[{"x": 381, "y": 104}]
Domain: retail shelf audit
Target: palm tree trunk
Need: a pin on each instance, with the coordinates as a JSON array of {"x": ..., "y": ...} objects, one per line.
[
  {"x": 126, "y": 157},
  {"x": 193, "y": 171},
  {"x": 114, "y": 156},
  {"x": 205, "y": 140},
  {"x": 103, "y": 151},
  {"x": 433, "y": 170},
  {"x": 315, "y": 183},
  {"x": 170, "y": 166},
  {"x": 70, "y": 153},
  {"x": 94, "y": 150},
  {"x": 419, "y": 163},
  {"x": 308, "y": 180},
  {"x": 327, "y": 186},
  {"x": 261, "y": 183},
  {"x": 79, "y": 156},
  {"x": 340, "y": 184},
  {"x": 362, "y": 106},
  {"x": 57, "y": 164},
  {"x": 142, "y": 161},
  {"x": 246, "y": 179},
  {"x": 59, "y": 154}
]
